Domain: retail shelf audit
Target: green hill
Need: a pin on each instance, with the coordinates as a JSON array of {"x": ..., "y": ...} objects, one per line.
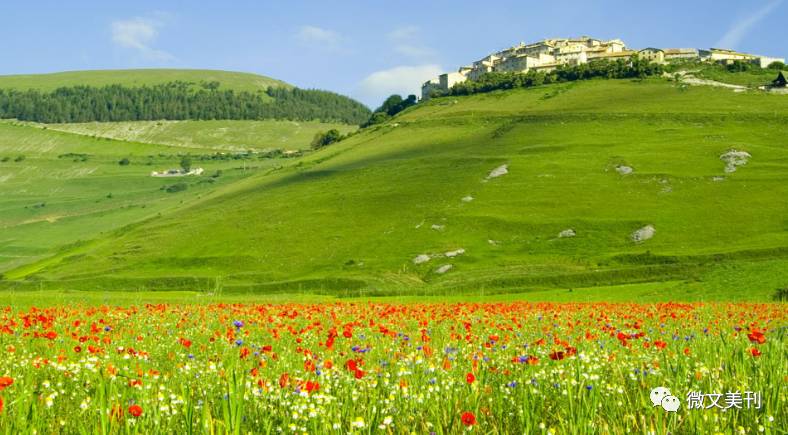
[
  {"x": 237, "y": 81},
  {"x": 602, "y": 158}
]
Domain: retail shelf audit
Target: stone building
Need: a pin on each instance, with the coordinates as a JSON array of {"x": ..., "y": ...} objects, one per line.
[{"x": 548, "y": 54}]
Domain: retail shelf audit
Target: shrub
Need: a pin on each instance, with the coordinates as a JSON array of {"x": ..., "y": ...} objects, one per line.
[
  {"x": 19, "y": 159},
  {"x": 186, "y": 164},
  {"x": 324, "y": 139},
  {"x": 178, "y": 187},
  {"x": 124, "y": 162}
]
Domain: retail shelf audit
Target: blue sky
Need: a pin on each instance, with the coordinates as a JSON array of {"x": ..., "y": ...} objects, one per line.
[{"x": 366, "y": 49}]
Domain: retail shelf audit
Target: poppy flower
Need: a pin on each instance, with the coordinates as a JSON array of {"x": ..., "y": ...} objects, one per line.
[
  {"x": 5, "y": 382},
  {"x": 1, "y": 405},
  {"x": 311, "y": 386},
  {"x": 557, "y": 355},
  {"x": 135, "y": 410},
  {"x": 468, "y": 419},
  {"x": 358, "y": 374},
  {"x": 757, "y": 337},
  {"x": 284, "y": 380},
  {"x": 755, "y": 352},
  {"x": 469, "y": 378}
]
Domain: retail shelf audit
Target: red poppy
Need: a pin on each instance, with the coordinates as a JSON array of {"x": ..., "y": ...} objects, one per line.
[
  {"x": 757, "y": 337},
  {"x": 755, "y": 352},
  {"x": 5, "y": 382},
  {"x": 186, "y": 343},
  {"x": 660, "y": 344},
  {"x": 1, "y": 405},
  {"x": 469, "y": 378},
  {"x": 135, "y": 410},
  {"x": 284, "y": 380},
  {"x": 311, "y": 386},
  {"x": 468, "y": 418},
  {"x": 358, "y": 374},
  {"x": 557, "y": 355}
]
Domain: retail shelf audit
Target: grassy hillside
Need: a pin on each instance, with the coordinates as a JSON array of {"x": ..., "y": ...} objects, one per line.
[
  {"x": 139, "y": 77},
  {"x": 226, "y": 135},
  {"x": 351, "y": 219},
  {"x": 59, "y": 188}
]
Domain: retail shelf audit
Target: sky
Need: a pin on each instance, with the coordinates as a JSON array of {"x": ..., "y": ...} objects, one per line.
[{"x": 366, "y": 49}]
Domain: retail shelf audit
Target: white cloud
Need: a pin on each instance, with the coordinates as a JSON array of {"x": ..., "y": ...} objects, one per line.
[
  {"x": 407, "y": 42},
  {"x": 316, "y": 35},
  {"x": 139, "y": 34},
  {"x": 403, "y": 33},
  {"x": 739, "y": 30},
  {"x": 401, "y": 80}
]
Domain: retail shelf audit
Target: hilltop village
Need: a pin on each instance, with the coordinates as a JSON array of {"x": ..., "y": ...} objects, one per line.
[{"x": 549, "y": 54}]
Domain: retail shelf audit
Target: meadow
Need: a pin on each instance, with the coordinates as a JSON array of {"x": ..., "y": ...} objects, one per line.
[
  {"x": 377, "y": 367},
  {"x": 62, "y": 188},
  {"x": 350, "y": 220},
  {"x": 237, "y": 81}
]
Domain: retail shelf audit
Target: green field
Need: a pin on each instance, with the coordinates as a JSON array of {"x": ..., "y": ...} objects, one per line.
[
  {"x": 350, "y": 219},
  {"x": 224, "y": 135},
  {"x": 139, "y": 77}
]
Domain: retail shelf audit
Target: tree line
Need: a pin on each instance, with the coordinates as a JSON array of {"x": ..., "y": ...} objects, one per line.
[
  {"x": 618, "y": 69},
  {"x": 177, "y": 101}
]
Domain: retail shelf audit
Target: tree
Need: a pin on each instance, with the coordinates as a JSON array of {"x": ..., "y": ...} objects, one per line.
[
  {"x": 777, "y": 65},
  {"x": 186, "y": 164},
  {"x": 323, "y": 139},
  {"x": 390, "y": 107}
]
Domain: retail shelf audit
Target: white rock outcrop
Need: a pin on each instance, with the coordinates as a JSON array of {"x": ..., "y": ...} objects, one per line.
[
  {"x": 624, "y": 170},
  {"x": 443, "y": 269},
  {"x": 735, "y": 158},
  {"x": 643, "y": 234},
  {"x": 423, "y": 258},
  {"x": 569, "y": 232},
  {"x": 499, "y": 171}
]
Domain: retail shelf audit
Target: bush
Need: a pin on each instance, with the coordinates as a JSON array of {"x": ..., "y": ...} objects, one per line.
[
  {"x": 324, "y": 139},
  {"x": 776, "y": 65},
  {"x": 19, "y": 159},
  {"x": 186, "y": 164},
  {"x": 739, "y": 66},
  {"x": 390, "y": 107},
  {"x": 179, "y": 187},
  {"x": 780, "y": 295},
  {"x": 124, "y": 162}
]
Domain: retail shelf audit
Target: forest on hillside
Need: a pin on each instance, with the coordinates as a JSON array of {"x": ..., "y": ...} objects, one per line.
[{"x": 177, "y": 101}]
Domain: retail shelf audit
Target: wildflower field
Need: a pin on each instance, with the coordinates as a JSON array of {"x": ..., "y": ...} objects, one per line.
[{"x": 392, "y": 368}]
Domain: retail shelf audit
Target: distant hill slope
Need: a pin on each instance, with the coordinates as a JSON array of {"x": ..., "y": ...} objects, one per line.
[
  {"x": 238, "y": 81},
  {"x": 413, "y": 206},
  {"x": 159, "y": 94}
]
